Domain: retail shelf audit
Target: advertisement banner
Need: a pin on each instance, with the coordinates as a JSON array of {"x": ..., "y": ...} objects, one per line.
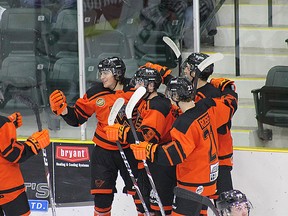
[{"x": 69, "y": 167}]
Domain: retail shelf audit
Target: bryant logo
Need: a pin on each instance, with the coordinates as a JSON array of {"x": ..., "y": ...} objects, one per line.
[
  {"x": 72, "y": 154},
  {"x": 100, "y": 102}
]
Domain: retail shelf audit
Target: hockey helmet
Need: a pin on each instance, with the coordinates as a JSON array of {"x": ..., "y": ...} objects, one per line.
[
  {"x": 147, "y": 75},
  {"x": 180, "y": 89},
  {"x": 194, "y": 60},
  {"x": 233, "y": 199},
  {"x": 113, "y": 64}
]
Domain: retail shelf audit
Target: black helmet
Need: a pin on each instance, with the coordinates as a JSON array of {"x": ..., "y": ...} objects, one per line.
[
  {"x": 180, "y": 89},
  {"x": 113, "y": 64},
  {"x": 194, "y": 60},
  {"x": 231, "y": 198},
  {"x": 147, "y": 75}
]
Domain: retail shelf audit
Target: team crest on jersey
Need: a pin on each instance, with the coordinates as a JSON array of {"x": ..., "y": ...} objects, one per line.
[
  {"x": 100, "y": 102},
  {"x": 99, "y": 183}
]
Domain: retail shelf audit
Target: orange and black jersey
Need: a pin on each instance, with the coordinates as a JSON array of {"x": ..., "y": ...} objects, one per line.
[
  {"x": 99, "y": 100},
  {"x": 12, "y": 153},
  {"x": 194, "y": 144},
  {"x": 207, "y": 91},
  {"x": 154, "y": 120},
  {"x": 225, "y": 141}
]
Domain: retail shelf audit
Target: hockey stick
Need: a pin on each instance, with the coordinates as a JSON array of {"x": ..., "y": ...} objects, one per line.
[
  {"x": 138, "y": 94},
  {"x": 208, "y": 61},
  {"x": 112, "y": 116},
  {"x": 176, "y": 51},
  {"x": 213, "y": 58},
  {"x": 190, "y": 195},
  {"x": 204, "y": 64},
  {"x": 172, "y": 45},
  {"x": 35, "y": 108}
]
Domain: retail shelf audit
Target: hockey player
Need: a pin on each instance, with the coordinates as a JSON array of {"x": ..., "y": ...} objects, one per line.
[
  {"x": 214, "y": 89},
  {"x": 13, "y": 198},
  {"x": 154, "y": 121},
  {"x": 204, "y": 88},
  {"x": 194, "y": 143},
  {"x": 233, "y": 203},
  {"x": 106, "y": 160}
]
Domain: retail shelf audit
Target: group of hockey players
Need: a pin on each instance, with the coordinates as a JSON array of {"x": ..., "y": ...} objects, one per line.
[{"x": 183, "y": 136}]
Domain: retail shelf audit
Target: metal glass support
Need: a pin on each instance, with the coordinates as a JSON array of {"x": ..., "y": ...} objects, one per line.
[
  {"x": 81, "y": 57},
  {"x": 270, "y": 13},
  {"x": 196, "y": 25},
  {"x": 237, "y": 38}
]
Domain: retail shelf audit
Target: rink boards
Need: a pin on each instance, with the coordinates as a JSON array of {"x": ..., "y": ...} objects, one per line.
[
  {"x": 69, "y": 167},
  {"x": 261, "y": 173}
]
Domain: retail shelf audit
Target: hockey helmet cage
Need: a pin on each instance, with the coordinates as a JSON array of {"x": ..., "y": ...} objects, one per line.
[
  {"x": 231, "y": 198},
  {"x": 179, "y": 89},
  {"x": 194, "y": 60},
  {"x": 113, "y": 64},
  {"x": 147, "y": 75}
]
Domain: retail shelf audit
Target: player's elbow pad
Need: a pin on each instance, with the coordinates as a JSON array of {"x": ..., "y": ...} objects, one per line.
[{"x": 170, "y": 154}]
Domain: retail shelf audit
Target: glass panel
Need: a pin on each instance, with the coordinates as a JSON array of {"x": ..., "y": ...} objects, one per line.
[
  {"x": 262, "y": 46},
  {"x": 39, "y": 53}
]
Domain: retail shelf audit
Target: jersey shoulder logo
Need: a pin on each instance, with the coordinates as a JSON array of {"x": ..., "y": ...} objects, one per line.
[{"x": 100, "y": 102}]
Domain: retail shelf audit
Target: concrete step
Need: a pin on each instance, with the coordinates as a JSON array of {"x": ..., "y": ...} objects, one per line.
[
  {"x": 247, "y": 137},
  {"x": 241, "y": 137},
  {"x": 245, "y": 114},
  {"x": 247, "y": 13},
  {"x": 254, "y": 78},
  {"x": 254, "y": 62},
  {"x": 256, "y": 36}
]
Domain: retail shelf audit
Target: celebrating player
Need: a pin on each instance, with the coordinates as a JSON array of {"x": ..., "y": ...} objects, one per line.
[
  {"x": 13, "y": 198},
  {"x": 214, "y": 89},
  {"x": 154, "y": 121},
  {"x": 106, "y": 160}
]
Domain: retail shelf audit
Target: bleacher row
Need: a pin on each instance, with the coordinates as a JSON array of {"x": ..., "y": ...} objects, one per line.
[
  {"x": 30, "y": 45},
  {"x": 38, "y": 55}
]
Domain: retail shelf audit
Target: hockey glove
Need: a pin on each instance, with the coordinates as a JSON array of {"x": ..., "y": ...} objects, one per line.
[
  {"x": 58, "y": 102},
  {"x": 112, "y": 132},
  {"x": 222, "y": 83},
  {"x": 144, "y": 150},
  {"x": 164, "y": 71},
  {"x": 38, "y": 141},
  {"x": 117, "y": 132},
  {"x": 16, "y": 118}
]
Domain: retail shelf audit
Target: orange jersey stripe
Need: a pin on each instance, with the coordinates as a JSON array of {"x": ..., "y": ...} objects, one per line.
[{"x": 101, "y": 191}]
